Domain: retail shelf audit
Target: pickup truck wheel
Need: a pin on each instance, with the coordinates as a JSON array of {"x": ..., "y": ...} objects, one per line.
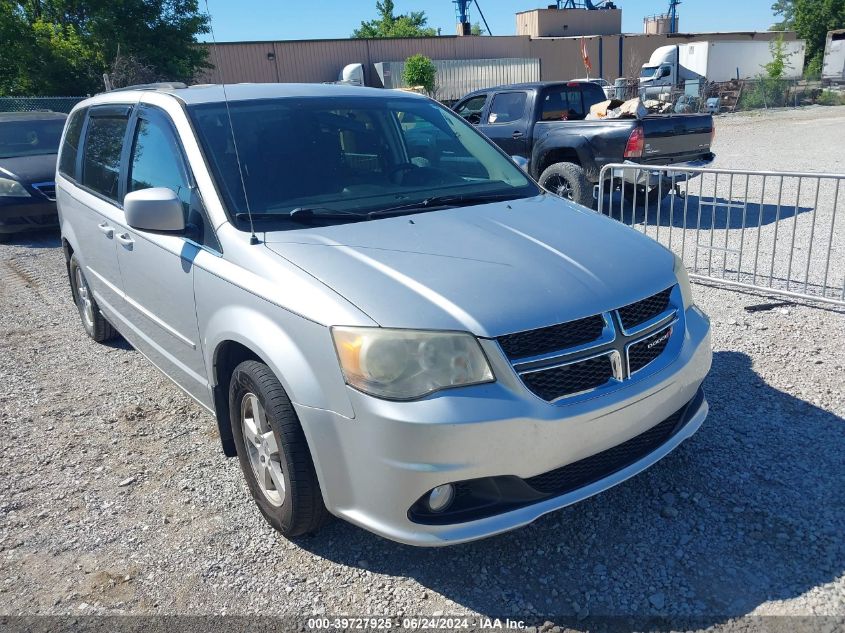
[
  {"x": 93, "y": 321},
  {"x": 569, "y": 181},
  {"x": 273, "y": 451}
]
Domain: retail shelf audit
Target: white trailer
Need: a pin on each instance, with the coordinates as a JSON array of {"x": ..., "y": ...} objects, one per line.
[
  {"x": 671, "y": 66},
  {"x": 833, "y": 68}
]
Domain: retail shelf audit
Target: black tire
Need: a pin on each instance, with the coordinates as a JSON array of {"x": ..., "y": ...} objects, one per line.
[
  {"x": 93, "y": 321},
  {"x": 568, "y": 181},
  {"x": 301, "y": 509},
  {"x": 5, "y": 237}
]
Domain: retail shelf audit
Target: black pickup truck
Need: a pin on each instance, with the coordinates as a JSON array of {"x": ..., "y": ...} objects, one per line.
[{"x": 544, "y": 124}]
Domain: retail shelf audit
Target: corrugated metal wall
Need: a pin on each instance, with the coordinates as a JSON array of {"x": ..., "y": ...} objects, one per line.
[
  {"x": 322, "y": 60},
  {"x": 457, "y": 77}
]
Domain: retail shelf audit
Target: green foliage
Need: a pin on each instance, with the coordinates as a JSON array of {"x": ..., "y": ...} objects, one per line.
[
  {"x": 830, "y": 97},
  {"x": 63, "y": 47},
  {"x": 765, "y": 92},
  {"x": 476, "y": 29},
  {"x": 390, "y": 25},
  {"x": 811, "y": 19},
  {"x": 420, "y": 71},
  {"x": 785, "y": 9},
  {"x": 813, "y": 71},
  {"x": 780, "y": 57}
]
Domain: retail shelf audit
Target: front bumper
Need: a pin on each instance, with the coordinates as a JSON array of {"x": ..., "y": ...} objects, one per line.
[
  {"x": 652, "y": 175},
  {"x": 373, "y": 468},
  {"x": 28, "y": 215}
]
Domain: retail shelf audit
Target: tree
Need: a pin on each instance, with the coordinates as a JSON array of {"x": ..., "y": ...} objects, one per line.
[
  {"x": 390, "y": 25},
  {"x": 420, "y": 71},
  {"x": 65, "y": 46},
  {"x": 776, "y": 67},
  {"x": 476, "y": 29},
  {"x": 785, "y": 9},
  {"x": 811, "y": 20}
]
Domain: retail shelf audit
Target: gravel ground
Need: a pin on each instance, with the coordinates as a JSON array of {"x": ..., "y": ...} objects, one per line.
[{"x": 117, "y": 499}]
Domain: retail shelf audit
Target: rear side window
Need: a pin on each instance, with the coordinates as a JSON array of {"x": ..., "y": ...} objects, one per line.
[
  {"x": 571, "y": 103},
  {"x": 507, "y": 107},
  {"x": 471, "y": 108},
  {"x": 67, "y": 160},
  {"x": 101, "y": 161}
]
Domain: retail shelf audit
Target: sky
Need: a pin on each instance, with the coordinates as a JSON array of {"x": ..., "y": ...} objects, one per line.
[{"x": 236, "y": 20}]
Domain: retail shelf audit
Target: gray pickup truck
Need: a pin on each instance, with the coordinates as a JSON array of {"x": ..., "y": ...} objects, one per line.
[{"x": 544, "y": 124}]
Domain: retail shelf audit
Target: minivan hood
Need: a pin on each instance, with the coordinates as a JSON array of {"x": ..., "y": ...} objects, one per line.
[{"x": 489, "y": 269}]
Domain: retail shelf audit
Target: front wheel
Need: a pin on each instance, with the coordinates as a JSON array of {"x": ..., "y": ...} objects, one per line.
[
  {"x": 273, "y": 451},
  {"x": 93, "y": 321},
  {"x": 568, "y": 181}
]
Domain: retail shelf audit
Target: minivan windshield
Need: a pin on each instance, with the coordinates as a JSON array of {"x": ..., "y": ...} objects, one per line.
[
  {"x": 30, "y": 138},
  {"x": 336, "y": 159}
]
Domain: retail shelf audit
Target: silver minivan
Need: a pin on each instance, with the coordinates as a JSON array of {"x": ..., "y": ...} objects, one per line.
[{"x": 390, "y": 321}]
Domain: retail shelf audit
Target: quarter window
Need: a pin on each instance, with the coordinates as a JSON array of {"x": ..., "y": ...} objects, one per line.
[
  {"x": 103, "y": 145},
  {"x": 156, "y": 161},
  {"x": 507, "y": 107},
  {"x": 67, "y": 161}
]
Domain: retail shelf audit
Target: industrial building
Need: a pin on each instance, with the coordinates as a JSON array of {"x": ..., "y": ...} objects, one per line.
[{"x": 549, "y": 36}]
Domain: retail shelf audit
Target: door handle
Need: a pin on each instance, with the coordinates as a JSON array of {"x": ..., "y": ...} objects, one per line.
[
  {"x": 106, "y": 230},
  {"x": 517, "y": 134},
  {"x": 126, "y": 240}
]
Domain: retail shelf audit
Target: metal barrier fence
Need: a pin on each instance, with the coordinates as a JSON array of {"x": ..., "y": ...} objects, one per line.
[
  {"x": 34, "y": 104},
  {"x": 783, "y": 232}
]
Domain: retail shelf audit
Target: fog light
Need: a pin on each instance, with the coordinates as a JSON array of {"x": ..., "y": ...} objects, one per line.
[{"x": 440, "y": 498}]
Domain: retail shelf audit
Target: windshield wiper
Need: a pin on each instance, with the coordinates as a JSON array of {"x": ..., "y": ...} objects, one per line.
[
  {"x": 457, "y": 200},
  {"x": 302, "y": 214}
]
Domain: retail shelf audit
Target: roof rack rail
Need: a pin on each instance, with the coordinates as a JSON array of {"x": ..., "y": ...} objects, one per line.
[{"x": 162, "y": 85}]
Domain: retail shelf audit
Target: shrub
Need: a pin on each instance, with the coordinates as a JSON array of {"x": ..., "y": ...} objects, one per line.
[
  {"x": 831, "y": 97},
  {"x": 420, "y": 71}
]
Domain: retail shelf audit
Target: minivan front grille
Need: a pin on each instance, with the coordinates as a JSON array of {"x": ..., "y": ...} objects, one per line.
[
  {"x": 576, "y": 377},
  {"x": 641, "y": 311},
  {"x": 648, "y": 349},
  {"x": 552, "y": 338},
  {"x": 571, "y": 358}
]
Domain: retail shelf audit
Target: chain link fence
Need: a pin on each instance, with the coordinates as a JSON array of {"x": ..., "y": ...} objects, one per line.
[{"x": 36, "y": 104}]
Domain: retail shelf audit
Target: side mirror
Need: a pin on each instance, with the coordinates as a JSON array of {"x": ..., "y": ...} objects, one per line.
[
  {"x": 156, "y": 209},
  {"x": 521, "y": 162}
]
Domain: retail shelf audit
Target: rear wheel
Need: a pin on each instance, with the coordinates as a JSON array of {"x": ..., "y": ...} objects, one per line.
[
  {"x": 273, "y": 451},
  {"x": 93, "y": 321},
  {"x": 568, "y": 181}
]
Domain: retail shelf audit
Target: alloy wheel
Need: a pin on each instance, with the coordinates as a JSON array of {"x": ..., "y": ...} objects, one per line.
[
  {"x": 86, "y": 305},
  {"x": 559, "y": 186},
  {"x": 262, "y": 449}
]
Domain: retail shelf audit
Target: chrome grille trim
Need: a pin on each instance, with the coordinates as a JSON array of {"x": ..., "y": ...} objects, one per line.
[
  {"x": 614, "y": 342},
  {"x": 608, "y": 335}
]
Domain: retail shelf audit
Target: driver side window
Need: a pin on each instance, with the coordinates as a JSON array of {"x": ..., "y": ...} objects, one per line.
[
  {"x": 156, "y": 161},
  {"x": 471, "y": 109}
]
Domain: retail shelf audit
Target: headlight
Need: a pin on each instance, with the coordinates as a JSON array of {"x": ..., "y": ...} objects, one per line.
[
  {"x": 683, "y": 282},
  {"x": 408, "y": 364},
  {"x": 12, "y": 189}
]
